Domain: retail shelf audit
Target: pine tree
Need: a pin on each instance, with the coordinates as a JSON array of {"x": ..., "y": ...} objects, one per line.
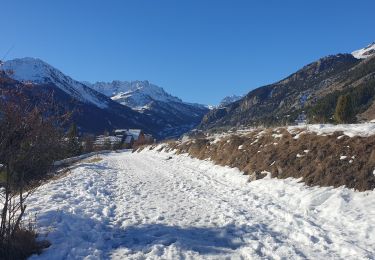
[
  {"x": 74, "y": 147},
  {"x": 88, "y": 144},
  {"x": 344, "y": 109},
  {"x": 72, "y": 132}
]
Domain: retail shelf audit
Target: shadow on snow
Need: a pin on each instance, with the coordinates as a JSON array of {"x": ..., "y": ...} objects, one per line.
[{"x": 78, "y": 236}]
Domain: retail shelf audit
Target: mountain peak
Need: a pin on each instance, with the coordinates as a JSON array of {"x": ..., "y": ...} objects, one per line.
[
  {"x": 39, "y": 72},
  {"x": 366, "y": 52},
  {"x": 135, "y": 94},
  {"x": 28, "y": 69},
  {"x": 229, "y": 99}
]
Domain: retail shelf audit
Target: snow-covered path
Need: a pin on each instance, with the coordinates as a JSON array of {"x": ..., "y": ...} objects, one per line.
[{"x": 153, "y": 205}]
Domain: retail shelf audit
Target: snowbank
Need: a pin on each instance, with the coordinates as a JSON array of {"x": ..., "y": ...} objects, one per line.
[
  {"x": 351, "y": 130},
  {"x": 75, "y": 159}
]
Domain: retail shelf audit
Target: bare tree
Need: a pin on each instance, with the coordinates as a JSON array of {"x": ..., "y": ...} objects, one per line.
[{"x": 29, "y": 143}]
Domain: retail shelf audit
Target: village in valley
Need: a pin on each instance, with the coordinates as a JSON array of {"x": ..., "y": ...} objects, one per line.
[{"x": 122, "y": 139}]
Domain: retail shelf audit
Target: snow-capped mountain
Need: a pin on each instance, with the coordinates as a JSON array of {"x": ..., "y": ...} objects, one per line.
[
  {"x": 135, "y": 94},
  {"x": 153, "y": 101},
  {"x": 366, "y": 52},
  {"x": 229, "y": 99},
  {"x": 107, "y": 106},
  {"x": 37, "y": 71}
]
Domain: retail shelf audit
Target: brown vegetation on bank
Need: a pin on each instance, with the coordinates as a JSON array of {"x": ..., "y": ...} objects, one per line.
[{"x": 332, "y": 160}]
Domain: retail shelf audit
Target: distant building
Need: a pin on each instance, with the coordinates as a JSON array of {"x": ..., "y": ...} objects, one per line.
[
  {"x": 129, "y": 140},
  {"x": 107, "y": 142},
  {"x": 123, "y": 138},
  {"x": 136, "y": 134},
  {"x": 130, "y": 137},
  {"x": 120, "y": 131}
]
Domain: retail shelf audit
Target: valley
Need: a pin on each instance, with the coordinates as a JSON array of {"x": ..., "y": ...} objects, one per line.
[{"x": 109, "y": 165}]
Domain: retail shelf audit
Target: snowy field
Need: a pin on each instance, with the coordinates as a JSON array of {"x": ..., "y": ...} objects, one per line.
[{"x": 153, "y": 205}]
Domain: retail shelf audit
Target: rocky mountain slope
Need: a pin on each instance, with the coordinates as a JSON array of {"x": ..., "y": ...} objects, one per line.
[
  {"x": 135, "y": 105},
  {"x": 229, "y": 99},
  {"x": 311, "y": 92},
  {"x": 149, "y": 99},
  {"x": 89, "y": 117}
]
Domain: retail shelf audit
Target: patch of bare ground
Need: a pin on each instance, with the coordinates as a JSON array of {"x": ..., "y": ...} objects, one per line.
[{"x": 331, "y": 160}]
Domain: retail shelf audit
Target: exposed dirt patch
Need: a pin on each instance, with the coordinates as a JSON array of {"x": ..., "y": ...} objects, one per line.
[{"x": 332, "y": 160}]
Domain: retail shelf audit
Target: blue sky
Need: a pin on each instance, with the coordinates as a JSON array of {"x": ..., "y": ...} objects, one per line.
[{"x": 199, "y": 50}]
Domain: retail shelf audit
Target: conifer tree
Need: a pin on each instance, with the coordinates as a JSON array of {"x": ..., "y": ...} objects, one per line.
[
  {"x": 74, "y": 147},
  {"x": 344, "y": 109}
]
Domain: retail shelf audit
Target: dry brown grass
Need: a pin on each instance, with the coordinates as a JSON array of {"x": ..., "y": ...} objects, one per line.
[
  {"x": 24, "y": 243},
  {"x": 321, "y": 165},
  {"x": 94, "y": 159}
]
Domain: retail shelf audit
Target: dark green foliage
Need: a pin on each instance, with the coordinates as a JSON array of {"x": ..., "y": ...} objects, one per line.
[
  {"x": 354, "y": 100},
  {"x": 117, "y": 146},
  {"x": 88, "y": 143},
  {"x": 74, "y": 147},
  {"x": 72, "y": 132},
  {"x": 344, "y": 109},
  {"x": 323, "y": 110},
  {"x": 321, "y": 82}
]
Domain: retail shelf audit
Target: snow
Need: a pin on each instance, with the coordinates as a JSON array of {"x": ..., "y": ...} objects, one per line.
[
  {"x": 37, "y": 71},
  {"x": 366, "y": 52},
  {"x": 351, "y": 130},
  {"x": 125, "y": 87},
  {"x": 229, "y": 99},
  {"x": 135, "y": 94},
  {"x": 211, "y": 107},
  {"x": 152, "y": 205}
]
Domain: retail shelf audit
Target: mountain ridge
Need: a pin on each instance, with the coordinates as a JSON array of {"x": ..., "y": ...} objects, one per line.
[
  {"x": 300, "y": 95},
  {"x": 37, "y": 71},
  {"x": 135, "y": 94},
  {"x": 164, "y": 120},
  {"x": 365, "y": 52}
]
